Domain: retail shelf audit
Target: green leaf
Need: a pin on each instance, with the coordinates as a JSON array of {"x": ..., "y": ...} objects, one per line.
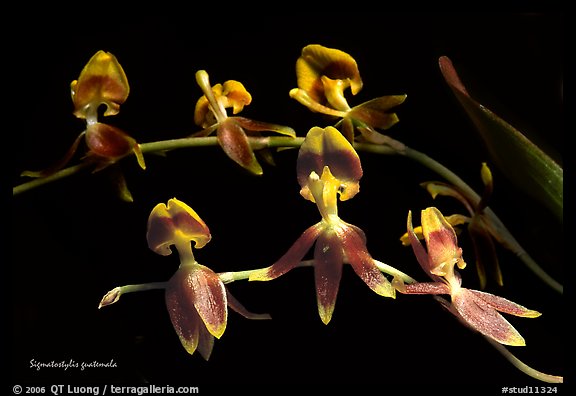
[{"x": 514, "y": 154}]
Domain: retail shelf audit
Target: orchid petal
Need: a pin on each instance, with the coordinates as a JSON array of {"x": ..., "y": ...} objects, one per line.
[
  {"x": 209, "y": 296},
  {"x": 111, "y": 143},
  {"x": 291, "y": 258},
  {"x": 259, "y": 126},
  {"x": 481, "y": 316},
  {"x": 236, "y": 306},
  {"x": 417, "y": 247},
  {"x": 235, "y": 144},
  {"x": 304, "y": 98},
  {"x": 102, "y": 81},
  {"x": 183, "y": 315},
  {"x": 441, "y": 241},
  {"x": 317, "y": 61},
  {"x": 362, "y": 262},
  {"x": 328, "y": 261},
  {"x": 334, "y": 91},
  {"x": 58, "y": 165},
  {"x": 503, "y": 305},
  {"x": 439, "y": 188},
  {"x": 375, "y": 112},
  {"x": 328, "y": 147},
  {"x": 454, "y": 220},
  {"x": 236, "y": 96},
  {"x": 167, "y": 225},
  {"x": 205, "y": 342},
  {"x": 426, "y": 288}
]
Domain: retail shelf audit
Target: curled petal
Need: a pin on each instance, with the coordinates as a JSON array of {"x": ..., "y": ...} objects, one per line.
[
  {"x": 328, "y": 147},
  {"x": 362, "y": 262},
  {"x": 443, "y": 250},
  {"x": 334, "y": 91},
  {"x": 169, "y": 224},
  {"x": 454, "y": 220},
  {"x": 304, "y": 98},
  {"x": 443, "y": 189},
  {"x": 102, "y": 81},
  {"x": 479, "y": 313},
  {"x": 291, "y": 258},
  {"x": 328, "y": 261},
  {"x": 317, "y": 61},
  {"x": 235, "y": 144},
  {"x": 235, "y": 96},
  {"x": 111, "y": 144}
]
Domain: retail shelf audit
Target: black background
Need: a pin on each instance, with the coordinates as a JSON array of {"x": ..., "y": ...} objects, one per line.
[{"x": 73, "y": 240}]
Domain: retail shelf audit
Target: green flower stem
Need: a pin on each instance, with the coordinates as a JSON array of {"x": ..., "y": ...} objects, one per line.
[
  {"x": 229, "y": 277},
  {"x": 114, "y": 295},
  {"x": 498, "y": 230},
  {"x": 520, "y": 365},
  {"x": 61, "y": 174},
  {"x": 143, "y": 287},
  {"x": 159, "y": 147}
]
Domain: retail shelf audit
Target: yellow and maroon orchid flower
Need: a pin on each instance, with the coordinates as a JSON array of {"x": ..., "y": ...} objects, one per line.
[
  {"x": 481, "y": 230},
  {"x": 232, "y": 131},
  {"x": 329, "y": 168},
  {"x": 323, "y": 74},
  {"x": 102, "y": 82},
  {"x": 479, "y": 310},
  {"x": 196, "y": 298}
]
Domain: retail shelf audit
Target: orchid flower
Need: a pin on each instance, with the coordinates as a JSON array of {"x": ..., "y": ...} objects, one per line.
[
  {"x": 481, "y": 229},
  {"x": 329, "y": 168},
  {"x": 232, "y": 131},
  {"x": 323, "y": 74},
  {"x": 196, "y": 298},
  {"x": 102, "y": 82},
  {"x": 478, "y": 310}
]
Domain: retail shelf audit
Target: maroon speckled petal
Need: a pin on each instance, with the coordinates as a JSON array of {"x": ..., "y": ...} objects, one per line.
[
  {"x": 328, "y": 261},
  {"x": 484, "y": 318},
  {"x": 362, "y": 262},
  {"x": 291, "y": 258}
]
